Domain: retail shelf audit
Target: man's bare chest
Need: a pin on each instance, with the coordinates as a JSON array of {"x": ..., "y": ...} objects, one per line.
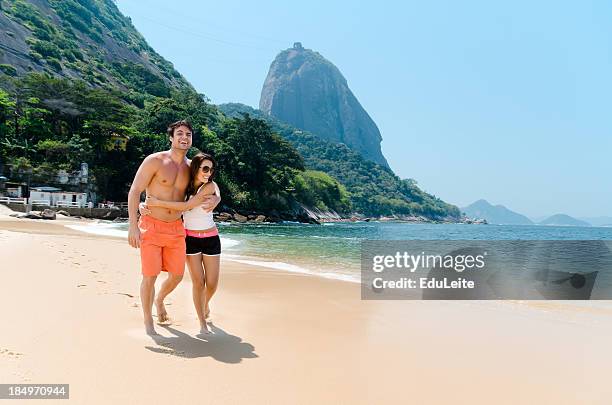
[{"x": 171, "y": 175}]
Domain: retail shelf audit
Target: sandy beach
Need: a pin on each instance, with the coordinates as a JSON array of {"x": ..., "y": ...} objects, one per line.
[{"x": 72, "y": 315}]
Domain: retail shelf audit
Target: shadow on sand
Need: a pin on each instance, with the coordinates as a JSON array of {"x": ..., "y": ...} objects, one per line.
[{"x": 219, "y": 345}]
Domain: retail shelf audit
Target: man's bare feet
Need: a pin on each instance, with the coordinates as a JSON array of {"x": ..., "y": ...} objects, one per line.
[
  {"x": 149, "y": 328},
  {"x": 162, "y": 314}
]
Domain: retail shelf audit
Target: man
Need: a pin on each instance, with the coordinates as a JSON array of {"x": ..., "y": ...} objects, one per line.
[{"x": 160, "y": 235}]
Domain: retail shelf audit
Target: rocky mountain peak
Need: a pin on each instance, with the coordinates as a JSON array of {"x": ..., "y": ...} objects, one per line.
[{"x": 309, "y": 92}]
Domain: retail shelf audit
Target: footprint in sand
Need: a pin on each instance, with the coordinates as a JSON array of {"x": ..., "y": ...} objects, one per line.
[{"x": 10, "y": 353}]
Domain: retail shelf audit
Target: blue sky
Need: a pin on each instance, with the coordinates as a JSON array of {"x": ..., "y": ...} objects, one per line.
[{"x": 508, "y": 102}]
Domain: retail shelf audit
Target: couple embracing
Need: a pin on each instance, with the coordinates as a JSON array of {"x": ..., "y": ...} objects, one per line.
[{"x": 175, "y": 187}]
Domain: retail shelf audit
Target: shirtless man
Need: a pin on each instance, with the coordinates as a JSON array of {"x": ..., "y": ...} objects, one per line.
[{"x": 160, "y": 235}]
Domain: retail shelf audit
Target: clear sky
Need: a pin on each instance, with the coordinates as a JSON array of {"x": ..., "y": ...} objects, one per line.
[{"x": 509, "y": 101}]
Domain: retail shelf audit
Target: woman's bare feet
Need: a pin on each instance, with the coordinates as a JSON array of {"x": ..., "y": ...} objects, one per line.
[{"x": 204, "y": 330}]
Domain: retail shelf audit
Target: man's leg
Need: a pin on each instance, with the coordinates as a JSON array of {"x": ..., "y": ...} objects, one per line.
[
  {"x": 173, "y": 259},
  {"x": 167, "y": 287},
  {"x": 151, "y": 260},
  {"x": 147, "y": 292}
]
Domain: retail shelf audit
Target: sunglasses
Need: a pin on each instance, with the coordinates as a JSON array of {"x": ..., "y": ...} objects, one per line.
[{"x": 206, "y": 169}]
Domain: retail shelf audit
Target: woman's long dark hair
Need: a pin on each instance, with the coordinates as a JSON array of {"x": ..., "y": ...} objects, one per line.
[{"x": 196, "y": 162}]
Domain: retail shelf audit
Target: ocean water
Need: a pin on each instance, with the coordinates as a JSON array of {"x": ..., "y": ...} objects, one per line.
[{"x": 332, "y": 250}]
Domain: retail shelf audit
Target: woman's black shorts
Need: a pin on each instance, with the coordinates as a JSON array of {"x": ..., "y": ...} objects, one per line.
[{"x": 210, "y": 246}]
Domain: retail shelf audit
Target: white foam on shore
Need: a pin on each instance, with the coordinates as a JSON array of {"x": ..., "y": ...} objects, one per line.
[
  {"x": 292, "y": 268},
  {"x": 99, "y": 228},
  {"x": 110, "y": 229},
  {"x": 228, "y": 243}
]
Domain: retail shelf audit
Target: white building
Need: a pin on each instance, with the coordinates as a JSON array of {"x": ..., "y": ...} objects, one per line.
[{"x": 54, "y": 196}]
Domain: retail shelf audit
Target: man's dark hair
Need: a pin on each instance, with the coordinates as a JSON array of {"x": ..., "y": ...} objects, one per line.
[{"x": 177, "y": 124}]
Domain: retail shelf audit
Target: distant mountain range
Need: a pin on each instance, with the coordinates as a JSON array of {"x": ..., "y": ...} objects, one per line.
[
  {"x": 563, "y": 220},
  {"x": 498, "y": 214},
  {"x": 495, "y": 214}
]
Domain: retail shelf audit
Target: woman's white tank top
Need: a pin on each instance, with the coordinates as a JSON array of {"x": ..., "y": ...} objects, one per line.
[{"x": 197, "y": 219}]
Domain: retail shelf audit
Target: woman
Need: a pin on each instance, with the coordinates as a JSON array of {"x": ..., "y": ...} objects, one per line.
[{"x": 202, "y": 236}]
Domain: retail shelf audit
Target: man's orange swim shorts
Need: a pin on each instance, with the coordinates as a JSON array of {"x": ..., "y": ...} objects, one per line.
[{"x": 162, "y": 246}]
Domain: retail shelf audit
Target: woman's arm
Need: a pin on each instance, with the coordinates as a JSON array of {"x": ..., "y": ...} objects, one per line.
[
  {"x": 194, "y": 201},
  {"x": 143, "y": 209}
]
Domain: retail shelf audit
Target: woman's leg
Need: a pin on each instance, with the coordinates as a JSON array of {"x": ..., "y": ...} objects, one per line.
[
  {"x": 194, "y": 262},
  {"x": 211, "y": 277}
]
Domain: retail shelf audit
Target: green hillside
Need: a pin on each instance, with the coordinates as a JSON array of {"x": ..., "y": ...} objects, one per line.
[
  {"x": 373, "y": 189},
  {"x": 89, "y": 40}
]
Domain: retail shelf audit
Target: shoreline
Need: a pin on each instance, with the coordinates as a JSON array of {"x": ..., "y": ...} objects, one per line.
[
  {"x": 84, "y": 227},
  {"x": 238, "y": 243},
  {"x": 305, "y": 216}
]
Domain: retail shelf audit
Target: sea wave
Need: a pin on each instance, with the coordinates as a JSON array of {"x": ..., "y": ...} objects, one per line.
[
  {"x": 117, "y": 230},
  {"x": 100, "y": 228},
  {"x": 292, "y": 268}
]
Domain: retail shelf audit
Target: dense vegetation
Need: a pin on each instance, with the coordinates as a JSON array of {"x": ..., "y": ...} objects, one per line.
[
  {"x": 373, "y": 189},
  {"x": 93, "y": 79},
  {"x": 51, "y": 124}
]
